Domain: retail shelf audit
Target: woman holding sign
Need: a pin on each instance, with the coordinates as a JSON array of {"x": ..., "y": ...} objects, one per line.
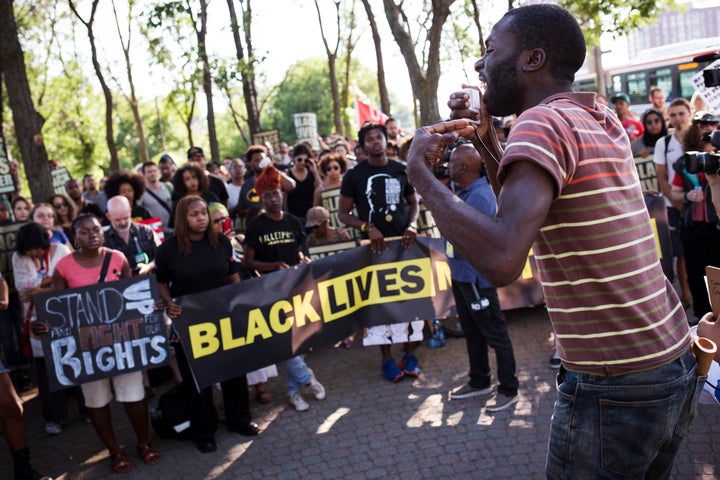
[
  {"x": 34, "y": 262},
  {"x": 198, "y": 259},
  {"x": 90, "y": 264}
]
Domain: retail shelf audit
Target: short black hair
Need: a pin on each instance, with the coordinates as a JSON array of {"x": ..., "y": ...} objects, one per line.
[
  {"x": 147, "y": 164},
  {"x": 366, "y": 128},
  {"x": 553, "y": 29},
  {"x": 166, "y": 159},
  {"x": 300, "y": 149},
  {"x": 31, "y": 235}
]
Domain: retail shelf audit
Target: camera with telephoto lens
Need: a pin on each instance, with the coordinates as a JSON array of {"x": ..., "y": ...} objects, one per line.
[{"x": 703, "y": 162}]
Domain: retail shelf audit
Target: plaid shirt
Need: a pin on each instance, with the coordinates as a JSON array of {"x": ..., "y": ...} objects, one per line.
[{"x": 142, "y": 240}]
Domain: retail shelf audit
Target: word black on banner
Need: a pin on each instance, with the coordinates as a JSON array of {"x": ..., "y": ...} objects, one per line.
[{"x": 101, "y": 331}]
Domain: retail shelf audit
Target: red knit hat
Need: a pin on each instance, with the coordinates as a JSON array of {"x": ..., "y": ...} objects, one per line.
[{"x": 269, "y": 179}]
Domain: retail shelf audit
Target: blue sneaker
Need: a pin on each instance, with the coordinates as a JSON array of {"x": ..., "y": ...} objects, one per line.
[
  {"x": 391, "y": 371},
  {"x": 410, "y": 365}
]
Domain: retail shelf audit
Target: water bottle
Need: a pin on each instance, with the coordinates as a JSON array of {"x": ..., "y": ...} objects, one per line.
[{"x": 438, "y": 338}]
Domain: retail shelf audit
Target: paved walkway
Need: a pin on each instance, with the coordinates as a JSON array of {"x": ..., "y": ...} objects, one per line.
[{"x": 367, "y": 428}]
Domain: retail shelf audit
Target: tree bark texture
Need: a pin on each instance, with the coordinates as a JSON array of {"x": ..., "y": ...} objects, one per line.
[
  {"x": 424, "y": 83},
  {"x": 382, "y": 85},
  {"x": 246, "y": 65},
  {"x": 28, "y": 122},
  {"x": 207, "y": 81},
  {"x": 109, "y": 135}
]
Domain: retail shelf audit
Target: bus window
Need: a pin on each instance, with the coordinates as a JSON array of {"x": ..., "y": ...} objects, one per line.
[
  {"x": 637, "y": 87},
  {"x": 686, "y": 85},
  {"x": 662, "y": 78},
  {"x": 617, "y": 85}
]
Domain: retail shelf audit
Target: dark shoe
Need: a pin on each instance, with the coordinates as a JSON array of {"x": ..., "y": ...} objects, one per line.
[
  {"x": 206, "y": 445},
  {"x": 501, "y": 402},
  {"x": 468, "y": 391},
  {"x": 250, "y": 429},
  {"x": 22, "y": 470}
]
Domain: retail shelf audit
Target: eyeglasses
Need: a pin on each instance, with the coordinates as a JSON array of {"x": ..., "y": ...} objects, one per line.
[
  {"x": 334, "y": 167},
  {"x": 60, "y": 205},
  {"x": 219, "y": 220}
]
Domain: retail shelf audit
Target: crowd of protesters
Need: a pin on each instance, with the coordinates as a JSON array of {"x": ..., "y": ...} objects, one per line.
[{"x": 205, "y": 224}]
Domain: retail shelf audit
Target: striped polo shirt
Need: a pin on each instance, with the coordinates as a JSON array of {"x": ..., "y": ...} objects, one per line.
[{"x": 612, "y": 309}]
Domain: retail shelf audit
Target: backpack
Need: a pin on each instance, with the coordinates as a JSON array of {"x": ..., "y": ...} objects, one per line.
[{"x": 171, "y": 418}]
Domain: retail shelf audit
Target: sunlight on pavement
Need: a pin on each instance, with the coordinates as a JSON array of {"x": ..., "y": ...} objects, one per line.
[
  {"x": 454, "y": 419},
  {"x": 430, "y": 411},
  {"x": 229, "y": 459},
  {"x": 331, "y": 420}
]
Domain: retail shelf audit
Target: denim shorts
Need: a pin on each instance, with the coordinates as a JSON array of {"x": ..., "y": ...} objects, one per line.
[{"x": 625, "y": 426}]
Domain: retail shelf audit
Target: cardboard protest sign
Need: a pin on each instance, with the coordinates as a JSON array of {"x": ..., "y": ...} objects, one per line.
[
  {"x": 7, "y": 184},
  {"x": 245, "y": 326},
  {"x": 59, "y": 177},
  {"x": 102, "y": 330}
]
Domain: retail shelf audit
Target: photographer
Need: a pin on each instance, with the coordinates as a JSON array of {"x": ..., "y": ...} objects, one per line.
[{"x": 698, "y": 224}]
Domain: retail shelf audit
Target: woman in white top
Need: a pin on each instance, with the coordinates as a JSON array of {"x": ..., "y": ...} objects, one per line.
[{"x": 34, "y": 262}]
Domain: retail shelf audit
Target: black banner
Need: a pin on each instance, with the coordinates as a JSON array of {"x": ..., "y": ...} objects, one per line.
[
  {"x": 8, "y": 234},
  {"x": 101, "y": 331},
  {"x": 245, "y": 326}
]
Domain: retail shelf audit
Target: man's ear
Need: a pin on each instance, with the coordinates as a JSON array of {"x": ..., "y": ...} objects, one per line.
[{"x": 535, "y": 59}]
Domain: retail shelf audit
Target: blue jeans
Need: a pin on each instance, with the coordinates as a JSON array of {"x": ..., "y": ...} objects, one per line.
[
  {"x": 298, "y": 373},
  {"x": 627, "y": 426}
]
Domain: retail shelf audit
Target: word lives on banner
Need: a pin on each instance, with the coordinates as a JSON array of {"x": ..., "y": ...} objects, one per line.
[
  {"x": 244, "y": 326},
  {"x": 101, "y": 331}
]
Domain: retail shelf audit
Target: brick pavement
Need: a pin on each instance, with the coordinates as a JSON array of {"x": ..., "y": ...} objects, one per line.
[{"x": 367, "y": 428}]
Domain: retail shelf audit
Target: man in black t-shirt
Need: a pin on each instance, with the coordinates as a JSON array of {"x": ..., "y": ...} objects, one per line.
[
  {"x": 273, "y": 241},
  {"x": 387, "y": 207},
  {"x": 196, "y": 156}
]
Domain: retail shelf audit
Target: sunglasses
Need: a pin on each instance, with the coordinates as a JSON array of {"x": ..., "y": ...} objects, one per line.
[
  {"x": 301, "y": 159},
  {"x": 219, "y": 220},
  {"x": 60, "y": 205},
  {"x": 652, "y": 120},
  {"x": 334, "y": 167}
]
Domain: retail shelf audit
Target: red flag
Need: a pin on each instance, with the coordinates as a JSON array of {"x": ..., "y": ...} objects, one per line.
[{"x": 368, "y": 113}]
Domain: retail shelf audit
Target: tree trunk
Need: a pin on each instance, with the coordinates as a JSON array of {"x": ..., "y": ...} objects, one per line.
[
  {"x": 476, "y": 19},
  {"x": 345, "y": 97},
  {"x": 337, "y": 119},
  {"x": 207, "y": 81},
  {"x": 332, "y": 57},
  {"x": 109, "y": 135},
  {"x": 28, "y": 122},
  {"x": 246, "y": 66},
  {"x": 382, "y": 86},
  {"x": 424, "y": 83},
  {"x": 132, "y": 100}
]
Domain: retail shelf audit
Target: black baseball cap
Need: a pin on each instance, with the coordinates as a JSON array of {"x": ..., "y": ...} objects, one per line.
[{"x": 194, "y": 151}]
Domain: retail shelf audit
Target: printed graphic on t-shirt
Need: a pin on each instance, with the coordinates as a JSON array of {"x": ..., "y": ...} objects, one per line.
[
  {"x": 383, "y": 195},
  {"x": 277, "y": 238}
]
